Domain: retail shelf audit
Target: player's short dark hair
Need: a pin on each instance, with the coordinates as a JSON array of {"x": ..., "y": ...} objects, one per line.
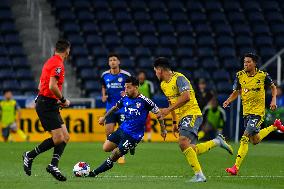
[
  {"x": 6, "y": 91},
  {"x": 162, "y": 62},
  {"x": 112, "y": 54},
  {"x": 133, "y": 80},
  {"x": 253, "y": 56},
  {"x": 62, "y": 45}
]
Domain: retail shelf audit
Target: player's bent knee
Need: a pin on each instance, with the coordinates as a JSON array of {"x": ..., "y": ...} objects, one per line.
[
  {"x": 66, "y": 138},
  {"x": 183, "y": 143},
  {"x": 245, "y": 139},
  {"x": 107, "y": 148},
  {"x": 58, "y": 139}
]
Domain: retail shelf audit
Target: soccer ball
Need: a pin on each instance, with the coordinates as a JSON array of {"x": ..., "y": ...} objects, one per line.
[{"x": 81, "y": 169}]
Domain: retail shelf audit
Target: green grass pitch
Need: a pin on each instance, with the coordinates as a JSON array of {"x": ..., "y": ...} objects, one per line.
[{"x": 155, "y": 165}]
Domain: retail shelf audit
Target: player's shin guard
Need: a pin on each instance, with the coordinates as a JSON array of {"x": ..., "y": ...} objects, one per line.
[
  {"x": 58, "y": 151},
  {"x": 242, "y": 151},
  {"x": 107, "y": 165},
  {"x": 204, "y": 147},
  {"x": 264, "y": 132},
  {"x": 191, "y": 157},
  {"x": 44, "y": 146}
]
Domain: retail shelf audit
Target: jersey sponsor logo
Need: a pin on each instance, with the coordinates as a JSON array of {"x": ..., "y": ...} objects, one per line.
[
  {"x": 245, "y": 90},
  {"x": 58, "y": 70}
]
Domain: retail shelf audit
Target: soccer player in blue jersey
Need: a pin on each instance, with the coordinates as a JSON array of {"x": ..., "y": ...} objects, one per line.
[
  {"x": 135, "y": 107},
  {"x": 113, "y": 82}
]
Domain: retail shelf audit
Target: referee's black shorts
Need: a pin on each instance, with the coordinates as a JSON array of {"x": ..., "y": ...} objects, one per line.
[{"x": 48, "y": 112}]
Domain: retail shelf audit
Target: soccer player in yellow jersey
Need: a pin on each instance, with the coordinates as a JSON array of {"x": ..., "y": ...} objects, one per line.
[
  {"x": 250, "y": 84},
  {"x": 184, "y": 107},
  {"x": 9, "y": 117}
]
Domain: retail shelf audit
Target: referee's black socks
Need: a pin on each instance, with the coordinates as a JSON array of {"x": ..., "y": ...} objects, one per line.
[
  {"x": 44, "y": 146},
  {"x": 58, "y": 151}
]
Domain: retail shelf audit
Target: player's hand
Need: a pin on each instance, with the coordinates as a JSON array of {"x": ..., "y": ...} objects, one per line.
[
  {"x": 175, "y": 130},
  {"x": 226, "y": 104},
  {"x": 164, "y": 134},
  {"x": 163, "y": 113},
  {"x": 104, "y": 98},
  {"x": 122, "y": 93},
  {"x": 273, "y": 105},
  {"x": 101, "y": 120}
]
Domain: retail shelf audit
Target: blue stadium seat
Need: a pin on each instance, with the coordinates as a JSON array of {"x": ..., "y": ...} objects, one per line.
[
  {"x": 100, "y": 5},
  {"x": 108, "y": 28},
  {"x": 243, "y": 40},
  {"x": 201, "y": 73},
  {"x": 209, "y": 64},
  {"x": 5, "y": 62},
  {"x": 16, "y": 51},
  {"x": 146, "y": 29},
  {"x": 205, "y": 52},
  {"x": 11, "y": 85},
  {"x": 168, "y": 41},
  {"x": 231, "y": 5},
  {"x": 194, "y": 5},
  {"x": 99, "y": 52},
  {"x": 6, "y": 74},
  {"x": 104, "y": 16},
  {"x": 224, "y": 87},
  {"x": 28, "y": 85},
  {"x": 270, "y": 6},
  {"x": 165, "y": 52},
  {"x": 201, "y": 29},
  {"x": 141, "y": 17},
  {"x": 12, "y": 39},
  {"x": 122, "y": 16},
  {"x": 227, "y": 52},
  {"x": 127, "y": 64},
  {"x": 261, "y": 30},
  {"x": 79, "y": 51},
  {"x": 137, "y": 5},
  {"x": 145, "y": 63},
  {"x": 213, "y": 6},
  {"x": 84, "y": 16},
  {"x": 94, "y": 40},
  {"x": 186, "y": 41},
  {"x": 225, "y": 41},
  {"x": 232, "y": 64},
  {"x": 165, "y": 29},
  {"x": 236, "y": 17},
  {"x": 82, "y": 63},
  {"x": 88, "y": 74},
  {"x": 66, "y": 15},
  {"x": 20, "y": 62},
  {"x": 150, "y": 41},
  {"x": 142, "y": 52},
  {"x": 184, "y": 29},
  {"x": 279, "y": 41},
  {"x": 91, "y": 86},
  {"x": 274, "y": 17},
  {"x": 222, "y": 29},
  {"x": 102, "y": 63},
  {"x": 179, "y": 17},
  {"x": 127, "y": 28},
  {"x": 118, "y": 5},
  {"x": 62, "y": 4},
  {"x": 81, "y": 4},
  {"x": 266, "y": 53},
  {"x": 175, "y": 6},
  {"x": 7, "y": 27},
  {"x": 241, "y": 29},
  {"x": 263, "y": 41},
  {"x": 251, "y": 6},
  {"x": 160, "y": 17},
  {"x": 205, "y": 41},
  {"x": 217, "y": 17},
  {"x": 112, "y": 40},
  {"x": 71, "y": 28},
  {"x": 131, "y": 40},
  {"x": 255, "y": 17},
  {"x": 277, "y": 28},
  {"x": 22, "y": 74},
  {"x": 89, "y": 28},
  {"x": 3, "y": 51},
  {"x": 197, "y": 17},
  {"x": 123, "y": 52},
  {"x": 188, "y": 63},
  {"x": 221, "y": 75},
  {"x": 156, "y": 5},
  {"x": 184, "y": 52},
  {"x": 76, "y": 39},
  {"x": 6, "y": 15}
]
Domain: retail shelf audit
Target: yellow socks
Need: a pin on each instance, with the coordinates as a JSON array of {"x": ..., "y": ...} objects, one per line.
[
  {"x": 264, "y": 132},
  {"x": 191, "y": 157},
  {"x": 21, "y": 134},
  {"x": 242, "y": 151},
  {"x": 205, "y": 146}
]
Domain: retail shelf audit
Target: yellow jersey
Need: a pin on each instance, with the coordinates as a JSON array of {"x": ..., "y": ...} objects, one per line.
[
  {"x": 8, "y": 110},
  {"x": 173, "y": 90},
  {"x": 252, "y": 89}
]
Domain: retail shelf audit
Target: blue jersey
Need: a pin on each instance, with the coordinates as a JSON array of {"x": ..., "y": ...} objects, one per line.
[
  {"x": 114, "y": 85},
  {"x": 135, "y": 111}
]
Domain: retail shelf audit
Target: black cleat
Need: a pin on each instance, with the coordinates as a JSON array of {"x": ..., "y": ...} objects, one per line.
[
  {"x": 55, "y": 172},
  {"x": 27, "y": 163},
  {"x": 92, "y": 174}
]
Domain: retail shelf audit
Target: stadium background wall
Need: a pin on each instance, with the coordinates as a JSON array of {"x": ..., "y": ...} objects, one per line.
[{"x": 82, "y": 125}]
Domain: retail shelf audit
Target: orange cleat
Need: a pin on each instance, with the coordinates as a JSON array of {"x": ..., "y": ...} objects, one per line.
[{"x": 233, "y": 170}]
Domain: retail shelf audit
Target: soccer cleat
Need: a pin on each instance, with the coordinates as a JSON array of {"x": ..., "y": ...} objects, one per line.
[
  {"x": 224, "y": 144},
  {"x": 27, "y": 163},
  {"x": 198, "y": 178},
  {"x": 92, "y": 174},
  {"x": 233, "y": 170},
  {"x": 277, "y": 123},
  {"x": 55, "y": 172},
  {"x": 121, "y": 160}
]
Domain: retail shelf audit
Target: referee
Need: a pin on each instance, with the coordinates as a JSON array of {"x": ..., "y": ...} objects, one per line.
[{"x": 49, "y": 100}]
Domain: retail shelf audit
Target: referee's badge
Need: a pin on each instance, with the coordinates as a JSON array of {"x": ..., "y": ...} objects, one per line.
[{"x": 58, "y": 70}]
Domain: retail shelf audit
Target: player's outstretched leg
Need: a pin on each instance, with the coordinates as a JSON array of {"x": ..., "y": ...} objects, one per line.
[
  {"x": 218, "y": 141},
  {"x": 27, "y": 164},
  {"x": 55, "y": 172}
]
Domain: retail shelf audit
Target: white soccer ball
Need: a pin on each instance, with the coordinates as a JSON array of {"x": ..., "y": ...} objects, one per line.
[{"x": 81, "y": 169}]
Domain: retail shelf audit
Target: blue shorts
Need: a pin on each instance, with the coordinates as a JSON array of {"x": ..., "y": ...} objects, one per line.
[
  {"x": 123, "y": 140},
  {"x": 252, "y": 124},
  {"x": 115, "y": 117}
]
